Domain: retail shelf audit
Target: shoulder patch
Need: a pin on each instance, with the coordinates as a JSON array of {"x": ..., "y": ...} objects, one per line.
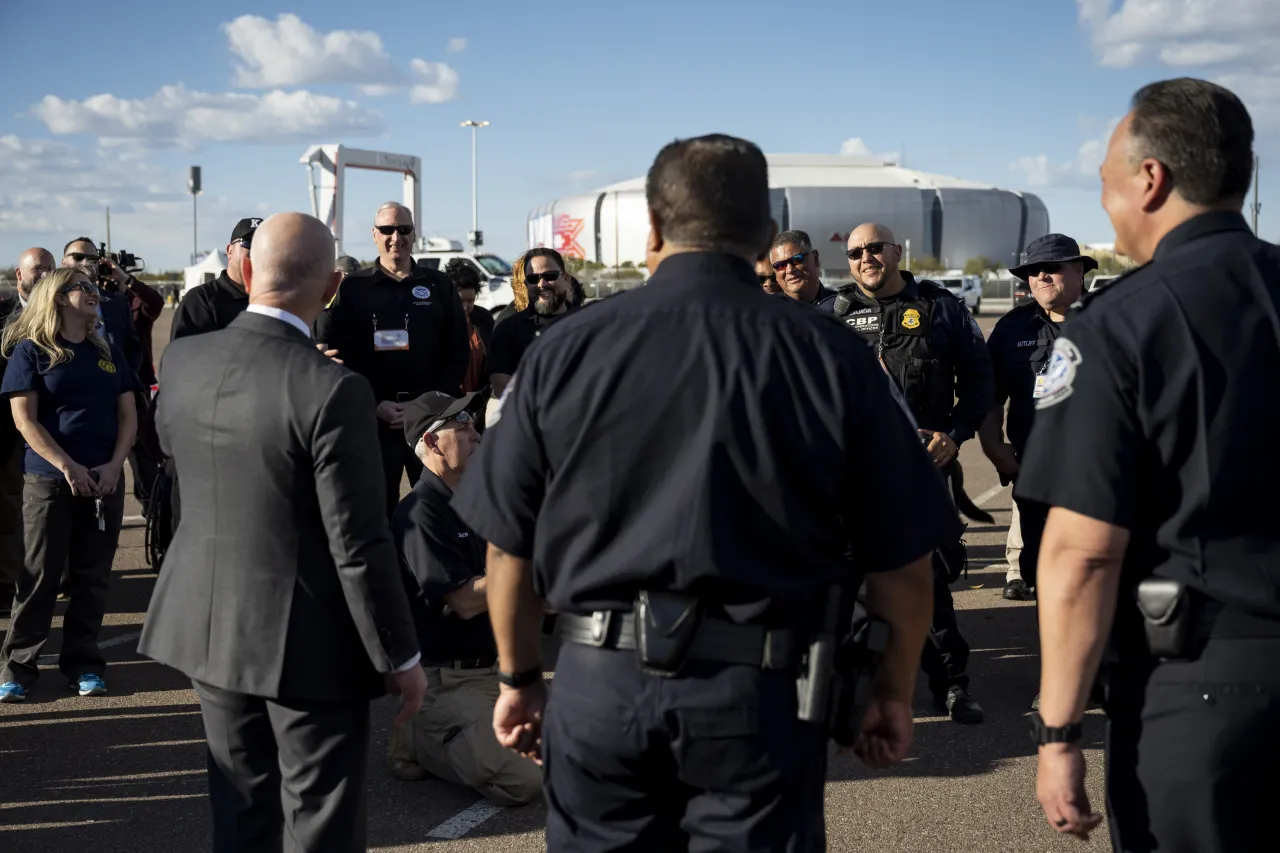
[
  {"x": 1060, "y": 374},
  {"x": 973, "y": 323}
]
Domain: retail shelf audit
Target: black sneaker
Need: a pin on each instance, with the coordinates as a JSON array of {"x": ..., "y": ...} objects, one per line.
[
  {"x": 1017, "y": 590},
  {"x": 962, "y": 708}
]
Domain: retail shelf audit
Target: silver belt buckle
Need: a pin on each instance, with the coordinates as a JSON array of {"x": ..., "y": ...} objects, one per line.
[{"x": 600, "y": 626}]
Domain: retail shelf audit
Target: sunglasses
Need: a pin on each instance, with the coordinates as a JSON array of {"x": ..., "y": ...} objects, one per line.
[
  {"x": 87, "y": 287},
  {"x": 461, "y": 418},
  {"x": 794, "y": 259},
  {"x": 767, "y": 279},
  {"x": 1035, "y": 270},
  {"x": 876, "y": 248},
  {"x": 247, "y": 242},
  {"x": 388, "y": 230},
  {"x": 80, "y": 257},
  {"x": 549, "y": 277}
]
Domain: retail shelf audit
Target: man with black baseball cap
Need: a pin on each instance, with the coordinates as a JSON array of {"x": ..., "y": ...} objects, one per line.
[
  {"x": 451, "y": 737},
  {"x": 213, "y": 305},
  {"x": 1020, "y": 347}
]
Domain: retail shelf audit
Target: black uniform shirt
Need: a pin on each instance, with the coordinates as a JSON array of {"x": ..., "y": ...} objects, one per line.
[
  {"x": 697, "y": 434},
  {"x": 438, "y": 554},
  {"x": 426, "y": 305},
  {"x": 209, "y": 307},
  {"x": 1020, "y": 346},
  {"x": 1162, "y": 412},
  {"x": 511, "y": 339}
]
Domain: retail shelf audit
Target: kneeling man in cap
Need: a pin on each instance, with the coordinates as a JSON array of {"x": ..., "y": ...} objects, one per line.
[{"x": 451, "y": 737}]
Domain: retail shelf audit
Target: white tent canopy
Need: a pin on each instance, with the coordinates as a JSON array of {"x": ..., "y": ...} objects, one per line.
[{"x": 206, "y": 269}]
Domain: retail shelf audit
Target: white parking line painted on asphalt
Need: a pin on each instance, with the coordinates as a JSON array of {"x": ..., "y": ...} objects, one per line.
[
  {"x": 105, "y": 644},
  {"x": 465, "y": 820},
  {"x": 133, "y": 519},
  {"x": 989, "y": 494}
]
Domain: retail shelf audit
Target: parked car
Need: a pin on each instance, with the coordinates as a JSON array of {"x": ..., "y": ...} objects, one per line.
[
  {"x": 1100, "y": 281},
  {"x": 966, "y": 288}
]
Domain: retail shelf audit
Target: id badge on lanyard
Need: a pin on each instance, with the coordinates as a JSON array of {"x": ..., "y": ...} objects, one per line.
[
  {"x": 390, "y": 340},
  {"x": 1042, "y": 381}
]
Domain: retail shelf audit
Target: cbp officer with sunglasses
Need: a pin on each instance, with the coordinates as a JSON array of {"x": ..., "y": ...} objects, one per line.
[
  {"x": 550, "y": 298},
  {"x": 401, "y": 326},
  {"x": 795, "y": 265},
  {"x": 933, "y": 350}
]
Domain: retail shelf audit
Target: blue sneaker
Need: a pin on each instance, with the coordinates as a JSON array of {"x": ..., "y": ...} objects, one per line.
[
  {"x": 12, "y": 691},
  {"x": 91, "y": 685}
]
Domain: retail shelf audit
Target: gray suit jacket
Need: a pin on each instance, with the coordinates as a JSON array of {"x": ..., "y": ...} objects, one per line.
[{"x": 282, "y": 580}]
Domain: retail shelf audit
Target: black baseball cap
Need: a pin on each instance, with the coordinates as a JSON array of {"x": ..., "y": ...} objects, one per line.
[
  {"x": 244, "y": 229},
  {"x": 434, "y": 408}
]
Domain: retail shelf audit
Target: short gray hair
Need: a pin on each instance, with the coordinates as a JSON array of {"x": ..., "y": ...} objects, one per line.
[{"x": 796, "y": 237}]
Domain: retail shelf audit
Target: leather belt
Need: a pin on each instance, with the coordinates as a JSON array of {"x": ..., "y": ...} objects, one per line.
[{"x": 717, "y": 640}]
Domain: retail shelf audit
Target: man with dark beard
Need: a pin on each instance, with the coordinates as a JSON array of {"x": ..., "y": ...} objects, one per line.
[{"x": 549, "y": 300}]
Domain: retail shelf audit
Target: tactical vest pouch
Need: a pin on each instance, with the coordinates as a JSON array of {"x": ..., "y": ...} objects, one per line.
[
  {"x": 1170, "y": 613},
  {"x": 666, "y": 624}
]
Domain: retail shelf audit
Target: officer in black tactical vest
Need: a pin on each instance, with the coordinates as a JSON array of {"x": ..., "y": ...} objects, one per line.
[{"x": 932, "y": 349}]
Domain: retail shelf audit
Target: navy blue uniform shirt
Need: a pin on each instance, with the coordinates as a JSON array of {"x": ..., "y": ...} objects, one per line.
[
  {"x": 513, "y": 338},
  {"x": 438, "y": 554},
  {"x": 76, "y": 399},
  {"x": 697, "y": 434},
  {"x": 1020, "y": 346},
  {"x": 1161, "y": 415}
]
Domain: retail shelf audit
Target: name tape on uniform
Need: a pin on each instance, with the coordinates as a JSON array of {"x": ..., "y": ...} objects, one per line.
[{"x": 1060, "y": 374}]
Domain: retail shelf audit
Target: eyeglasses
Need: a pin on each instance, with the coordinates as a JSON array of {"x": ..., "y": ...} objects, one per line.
[
  {"x": 80, "y": 257},
  {"x": 549, "y": 277},
  {"x": 388, "y": 230},
  {"x": 767, "y": 279},
  {"x": 794, "y": 259},
  {"x": 86, "y": 286},
  {"x": 876, "y": 248},
  {"x": 463, "y": 417}
]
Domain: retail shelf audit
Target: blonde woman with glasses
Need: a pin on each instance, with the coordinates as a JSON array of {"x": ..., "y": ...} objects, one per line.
[{"x": 71, "y": 394}]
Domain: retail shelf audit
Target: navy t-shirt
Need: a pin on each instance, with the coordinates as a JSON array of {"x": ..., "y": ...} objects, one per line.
[{"x": 76, "y": 400}]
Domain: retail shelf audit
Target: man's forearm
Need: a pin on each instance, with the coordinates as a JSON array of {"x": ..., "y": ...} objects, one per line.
[
  {"x": 1077, "y": 583},
  {"x": 514, "y": 611},
  {"x": 904, "y": 599},
  {"x": 991, "y": 433},
  {"x": 471, "y": 599}
]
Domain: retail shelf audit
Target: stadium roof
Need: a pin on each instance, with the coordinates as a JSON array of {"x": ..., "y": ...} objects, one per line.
[{"x": 836, "y": 170}]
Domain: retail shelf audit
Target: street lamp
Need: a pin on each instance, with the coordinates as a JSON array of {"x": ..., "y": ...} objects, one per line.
[
  {"x": 193, "y": 187},
  {"x": 476, "y": 238}
]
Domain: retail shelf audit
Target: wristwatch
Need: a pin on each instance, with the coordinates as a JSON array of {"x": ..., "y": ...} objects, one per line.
[
  {"x": 521, "y": 679},
  {"x": 1042, "y": 734}
]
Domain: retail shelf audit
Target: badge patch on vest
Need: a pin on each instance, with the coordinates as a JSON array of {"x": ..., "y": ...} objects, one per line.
[
  {"x": 106, "y": 365},
  {"x": 422, "y": 292},
  {"x": 864, "y": 323},
  {"x": 911, "y": 319},
  {"x": 1060, "y": 374}
]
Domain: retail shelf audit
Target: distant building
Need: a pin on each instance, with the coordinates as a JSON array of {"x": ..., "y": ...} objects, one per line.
[{"x": 950, "y": 219}]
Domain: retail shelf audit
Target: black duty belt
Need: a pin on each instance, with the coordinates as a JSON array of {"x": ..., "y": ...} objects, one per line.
[
  {"x": 717, "y": 640},
  {"x": 463, "y": 663}
]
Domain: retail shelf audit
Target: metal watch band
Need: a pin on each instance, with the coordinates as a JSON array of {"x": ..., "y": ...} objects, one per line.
[
  {"x": 521, "y": 679},
  {"x": 1042, "y": 734}
]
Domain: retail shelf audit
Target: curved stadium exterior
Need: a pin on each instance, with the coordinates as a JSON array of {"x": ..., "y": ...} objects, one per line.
[{"x": 950, "y": 219}]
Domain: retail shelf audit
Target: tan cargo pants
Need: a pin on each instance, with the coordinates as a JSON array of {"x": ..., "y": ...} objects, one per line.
[{"x": 451, "y": 737}]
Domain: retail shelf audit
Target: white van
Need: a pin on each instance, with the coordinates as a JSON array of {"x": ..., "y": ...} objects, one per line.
[
  {"x": 495, "y": 273},
  {"x": 966, "y": 288}
]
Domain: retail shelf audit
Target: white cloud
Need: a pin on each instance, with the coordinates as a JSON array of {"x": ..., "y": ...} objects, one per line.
[
  {"x": 176, "y": 115},
  {"x": 290, "y": 52},
  {"x": 1234, "y": 42},
  {"x": 433, "y": 82},
  {"x": 1081, "y": 171},
  {"x": 855, "y": 147}
]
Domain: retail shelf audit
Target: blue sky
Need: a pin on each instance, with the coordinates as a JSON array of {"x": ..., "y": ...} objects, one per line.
[{"x": 1014, "y": 93}]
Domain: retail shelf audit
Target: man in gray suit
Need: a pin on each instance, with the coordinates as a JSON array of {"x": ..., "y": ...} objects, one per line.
[{"x": 280, "y": 596}]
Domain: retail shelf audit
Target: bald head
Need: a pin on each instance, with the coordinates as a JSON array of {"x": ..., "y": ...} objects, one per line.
[
  {"x": 33, "y": 264},
  {"x": 874, "y": 255},
  {"x": 291, "y": 265}
]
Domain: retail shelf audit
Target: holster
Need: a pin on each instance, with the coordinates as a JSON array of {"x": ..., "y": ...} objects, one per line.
[
  {"x": 1170, "y": 616},
  {"x": 857, "y": 662},
  {"x": 665, "y": 625}
]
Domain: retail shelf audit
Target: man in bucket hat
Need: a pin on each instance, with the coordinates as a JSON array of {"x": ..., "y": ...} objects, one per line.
[{"x": 1020, "y": 346}]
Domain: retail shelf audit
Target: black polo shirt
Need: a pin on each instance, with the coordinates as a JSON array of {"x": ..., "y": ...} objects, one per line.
[
  {"x": 1020, "y": 347},
  {"x": 514, "y": 336},
  {"x": 438, "y": 554},
  {"x": 425, "y": 305},
  {"x": 698, "y": 434},
  {"x": 208, "y": 307},
  {"x": 1161, "y": 415}
]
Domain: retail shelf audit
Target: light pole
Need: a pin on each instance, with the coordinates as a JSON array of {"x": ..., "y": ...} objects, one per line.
[
  {"x": 476, "y": 238},
  {"x": 193, "y": 187}
]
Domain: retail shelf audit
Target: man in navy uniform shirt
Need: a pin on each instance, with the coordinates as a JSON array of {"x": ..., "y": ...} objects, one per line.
[{"x": 679, "y": 472}]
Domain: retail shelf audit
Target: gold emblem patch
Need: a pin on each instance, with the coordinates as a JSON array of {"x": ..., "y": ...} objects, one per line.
[
  {"x": 911, "y": 319},
  {"x": 106, "y": 365}
]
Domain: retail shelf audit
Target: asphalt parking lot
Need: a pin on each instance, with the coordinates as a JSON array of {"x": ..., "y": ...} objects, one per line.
[{"x": 125, "y": 772}]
